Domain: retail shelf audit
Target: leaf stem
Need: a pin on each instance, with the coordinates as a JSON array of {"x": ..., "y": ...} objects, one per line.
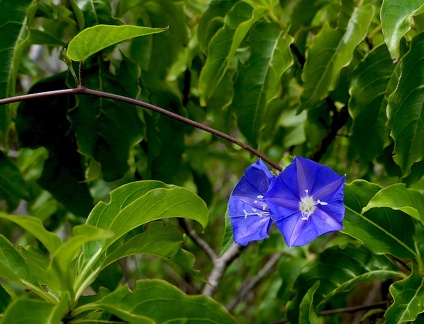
[{"x": 86, "y": 91}]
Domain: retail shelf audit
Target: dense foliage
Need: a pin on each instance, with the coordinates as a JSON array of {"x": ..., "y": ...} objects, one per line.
[{"x": 111, "y": 212}]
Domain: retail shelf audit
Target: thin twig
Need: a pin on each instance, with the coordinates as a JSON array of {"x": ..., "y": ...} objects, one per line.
[
  {"x": 250, "y": 284},
  {"x": 186, "y": 226},
  {"x": 107, "y": 95},
  {"x": 339, "y": 120},
  {"x": 219, "y": 266}
]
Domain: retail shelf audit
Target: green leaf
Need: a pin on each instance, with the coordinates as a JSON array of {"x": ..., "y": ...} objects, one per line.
[
  {"x": 93, "y": 39},
  {"x": 24, "y": 310},
  {"x": 331, "y": 51},
  {"x": 34, "y": 226},
  {"x": 224, "y": 44},
  {"x": 38, "y": 262},
  {"x": 228, "y": 234},
  {"x": 79, "y": 15},
  {"x": 164, "y": 242},
  {"x": 408, "y": 295},
  {"x": 258, "y": 80},
  {"x": 367, "y": 107},
  {"x": 339, "y": 270},
  {"x": 398, "y": 197},
  {"x": 156, "y": 301},
  {"x": 11, "y": 178},
  {"x": 306, "y": 307},
  {"x": 13, "y": 266},
  {"x": 405, "y": 109},
  {"x": 396, "y": 19},
  {"x": 60, "y": 264},
  {"x": 382, "y": 230},
  {"x": 133, "y": 205},
  {"x": 13, "y": 32},
  {"x": 140, "y": 202},
  {"x": 212, "y": 21}
]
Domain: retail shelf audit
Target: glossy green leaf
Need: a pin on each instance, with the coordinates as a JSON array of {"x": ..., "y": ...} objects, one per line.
[
  {"x": 34, "y": 226},
  {"x": 405, "y": 109},
  {"x": 224, "y": 44},
  {"x": 367, "y": 107},
  {"x": 11, "y": 179},
  {"x": 164, "y": 242},
  {"x": 306, "y": 307},
  {"x": 140, "y": 202},
  {"x": 38, "y": 262},
  {"x": 60, "y": 264},
  {"x": 212, "y": 21},
  {"x": 12, "y": 265},
  {"x": 13, "y": 32},
  {"x": 396, "y": 20},
  {"x": 23, "y": 311},
  {"x": 382, "y": 230},
  {"x": 339, "y": 270},
  {"x": 258, "y": 80},
  {"x": 398, "y": 197},
  {"x": 93, "y": 39},
  {"x": 408, "y": 295},
  {"x": 133, "y": 205},
  {"x": 156, "y": 301},
  {"x": 331, "y": 51}
]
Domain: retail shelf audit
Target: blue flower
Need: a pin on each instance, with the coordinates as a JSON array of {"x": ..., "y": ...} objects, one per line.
[
  {"x": 247, "y": 208},
  {"x": 306, "y": 201}
]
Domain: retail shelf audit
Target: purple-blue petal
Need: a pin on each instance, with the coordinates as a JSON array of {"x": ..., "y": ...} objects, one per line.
[
  {"x": 323, "y": 185},
  {"x": 312, "y": 175},
  {"x": 248, "y": 210},
  {"x": 251, "y": 228},
  {"x": 282, "y": 201},
  {"x": 333, "y": 191},
  {"x": 298, "y": 232}
]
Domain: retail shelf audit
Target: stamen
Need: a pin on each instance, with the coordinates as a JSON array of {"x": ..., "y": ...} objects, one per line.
[
  {"x": 307, "y": 205},
  {"x": 255, "y": 212}
]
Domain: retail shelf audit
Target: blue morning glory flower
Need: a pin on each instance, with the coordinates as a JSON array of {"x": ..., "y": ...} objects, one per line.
[
  {"x": 306, "y": 201},
  {"x": 247, "y": 208}
]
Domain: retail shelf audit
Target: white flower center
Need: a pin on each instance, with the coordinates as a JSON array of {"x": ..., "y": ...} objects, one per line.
[
  {"x": 258, "y": 212},
  {"x": 307, "y": 205}
]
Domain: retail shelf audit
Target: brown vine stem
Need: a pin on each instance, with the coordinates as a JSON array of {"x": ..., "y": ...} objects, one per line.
[{"x": 107, "y": 95}]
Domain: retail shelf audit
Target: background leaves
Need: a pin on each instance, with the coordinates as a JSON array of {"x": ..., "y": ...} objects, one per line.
[{"x": 288, "y": 77}]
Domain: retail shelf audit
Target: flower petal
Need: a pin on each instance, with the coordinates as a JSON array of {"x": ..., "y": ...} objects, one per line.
[
  {"x": 251, "y": 228},
  {"x": 281, "y": 199},
  {"x": 291, "y": 227},
  {"x": 249, "y": 215},
  {"x": 332, "y": 191},
  {"x": 320, "y": 188},
  {"x": 259, "y": 176}
]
